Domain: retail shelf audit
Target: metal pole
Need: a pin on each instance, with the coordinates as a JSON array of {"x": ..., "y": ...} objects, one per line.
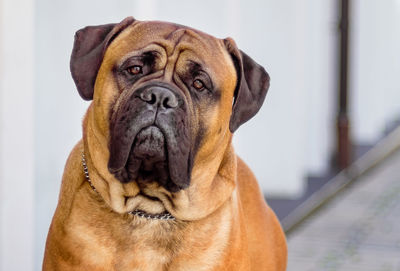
[{"x": 344, "y": 151}]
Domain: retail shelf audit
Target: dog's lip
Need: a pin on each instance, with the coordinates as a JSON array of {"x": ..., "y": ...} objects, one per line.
[
  {"x": 138, "y": 140},
  {"x": 119, "y": 153},
  {"x": 116, "y": 169}
]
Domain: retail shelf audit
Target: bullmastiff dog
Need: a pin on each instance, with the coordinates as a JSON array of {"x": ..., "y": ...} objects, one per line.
[{"x": 155, "y": 184}]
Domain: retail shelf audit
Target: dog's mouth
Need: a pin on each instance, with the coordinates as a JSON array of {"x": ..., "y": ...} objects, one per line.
[
  {"x": 148, "y": 157},
  {"x": 149, "y": 146},
  {"x": 150, "y": 139}
]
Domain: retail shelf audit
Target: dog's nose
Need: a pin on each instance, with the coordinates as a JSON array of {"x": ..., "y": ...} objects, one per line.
[{"x": 160, "y": 97}]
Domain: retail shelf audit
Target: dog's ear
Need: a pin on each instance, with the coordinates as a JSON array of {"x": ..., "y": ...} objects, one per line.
[
  {"x": 90, "y": 45},
  {"x": 251, "y": 87}
]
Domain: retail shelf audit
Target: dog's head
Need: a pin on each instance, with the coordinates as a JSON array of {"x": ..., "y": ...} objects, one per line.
[{"x": 166, "y": 100}]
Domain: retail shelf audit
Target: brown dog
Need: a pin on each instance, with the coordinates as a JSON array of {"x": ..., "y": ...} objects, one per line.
[{"x": 164, "y": 189}]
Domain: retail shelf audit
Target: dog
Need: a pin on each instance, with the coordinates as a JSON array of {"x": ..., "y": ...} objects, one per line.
[{"x": 155, "y": 184}]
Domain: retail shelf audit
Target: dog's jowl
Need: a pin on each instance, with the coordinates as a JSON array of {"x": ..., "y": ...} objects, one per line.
[{"x": 155, "y": 184}]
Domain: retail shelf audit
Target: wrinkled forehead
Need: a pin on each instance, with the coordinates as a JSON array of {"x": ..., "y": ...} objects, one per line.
[{"x": 172, "y": 40}]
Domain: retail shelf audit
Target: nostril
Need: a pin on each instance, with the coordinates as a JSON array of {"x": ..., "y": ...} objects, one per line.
[
  {"x": 169, "y": 101},
  {"x": 158, "y": 96},
  {"x": 165, "y": 103},
  {"x": 153, "y": 99}
]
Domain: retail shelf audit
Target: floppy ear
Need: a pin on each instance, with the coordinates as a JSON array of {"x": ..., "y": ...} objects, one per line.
[
  {"x": 90, "y": 45},
  {"x": 251, "y": 87}
]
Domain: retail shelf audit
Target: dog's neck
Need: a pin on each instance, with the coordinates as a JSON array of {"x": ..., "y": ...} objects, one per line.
[{"x": 140, "y": 213}]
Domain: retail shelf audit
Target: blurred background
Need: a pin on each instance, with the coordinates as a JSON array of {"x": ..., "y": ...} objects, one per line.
[{"x": 334, "y": 99}]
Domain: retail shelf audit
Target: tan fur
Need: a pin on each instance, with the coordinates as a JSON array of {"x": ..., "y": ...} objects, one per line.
[{"x": 223, "y": 222}]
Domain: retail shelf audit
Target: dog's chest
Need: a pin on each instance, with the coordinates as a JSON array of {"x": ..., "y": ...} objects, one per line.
[
  {"x": 100, "y": 249},
  {"x": 107, "y": 247},
  {"x": 100, "y": 240}
]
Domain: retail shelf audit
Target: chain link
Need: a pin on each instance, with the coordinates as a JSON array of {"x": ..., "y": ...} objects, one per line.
[{"x": 163, "y": 216}]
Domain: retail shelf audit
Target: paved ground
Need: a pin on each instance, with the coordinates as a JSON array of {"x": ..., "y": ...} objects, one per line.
[
  {"x": 358, "y": 230},
  {"x": 283, "y": 206}
]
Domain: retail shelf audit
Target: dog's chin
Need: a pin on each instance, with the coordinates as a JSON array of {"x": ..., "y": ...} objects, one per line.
[{"x": 148, "y": 161}]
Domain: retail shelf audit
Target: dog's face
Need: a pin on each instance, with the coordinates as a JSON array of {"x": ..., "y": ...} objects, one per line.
[
  {"x": 163, "y": 101},
  {"x": 168, "y": 98}
]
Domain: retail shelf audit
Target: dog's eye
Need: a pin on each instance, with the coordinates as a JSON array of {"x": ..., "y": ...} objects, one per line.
[
  {"x": 134, "y": 70},
  {"x": 198, "y": 84}
]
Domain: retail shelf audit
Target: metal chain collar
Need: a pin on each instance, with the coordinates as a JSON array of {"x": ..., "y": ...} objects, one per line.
[{"x": 163, "y": 216}]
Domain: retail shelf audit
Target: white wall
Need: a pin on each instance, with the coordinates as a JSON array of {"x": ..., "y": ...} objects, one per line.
[
  {"x": 375, "y": 67},
  {"x": 16, "y": 135}
]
